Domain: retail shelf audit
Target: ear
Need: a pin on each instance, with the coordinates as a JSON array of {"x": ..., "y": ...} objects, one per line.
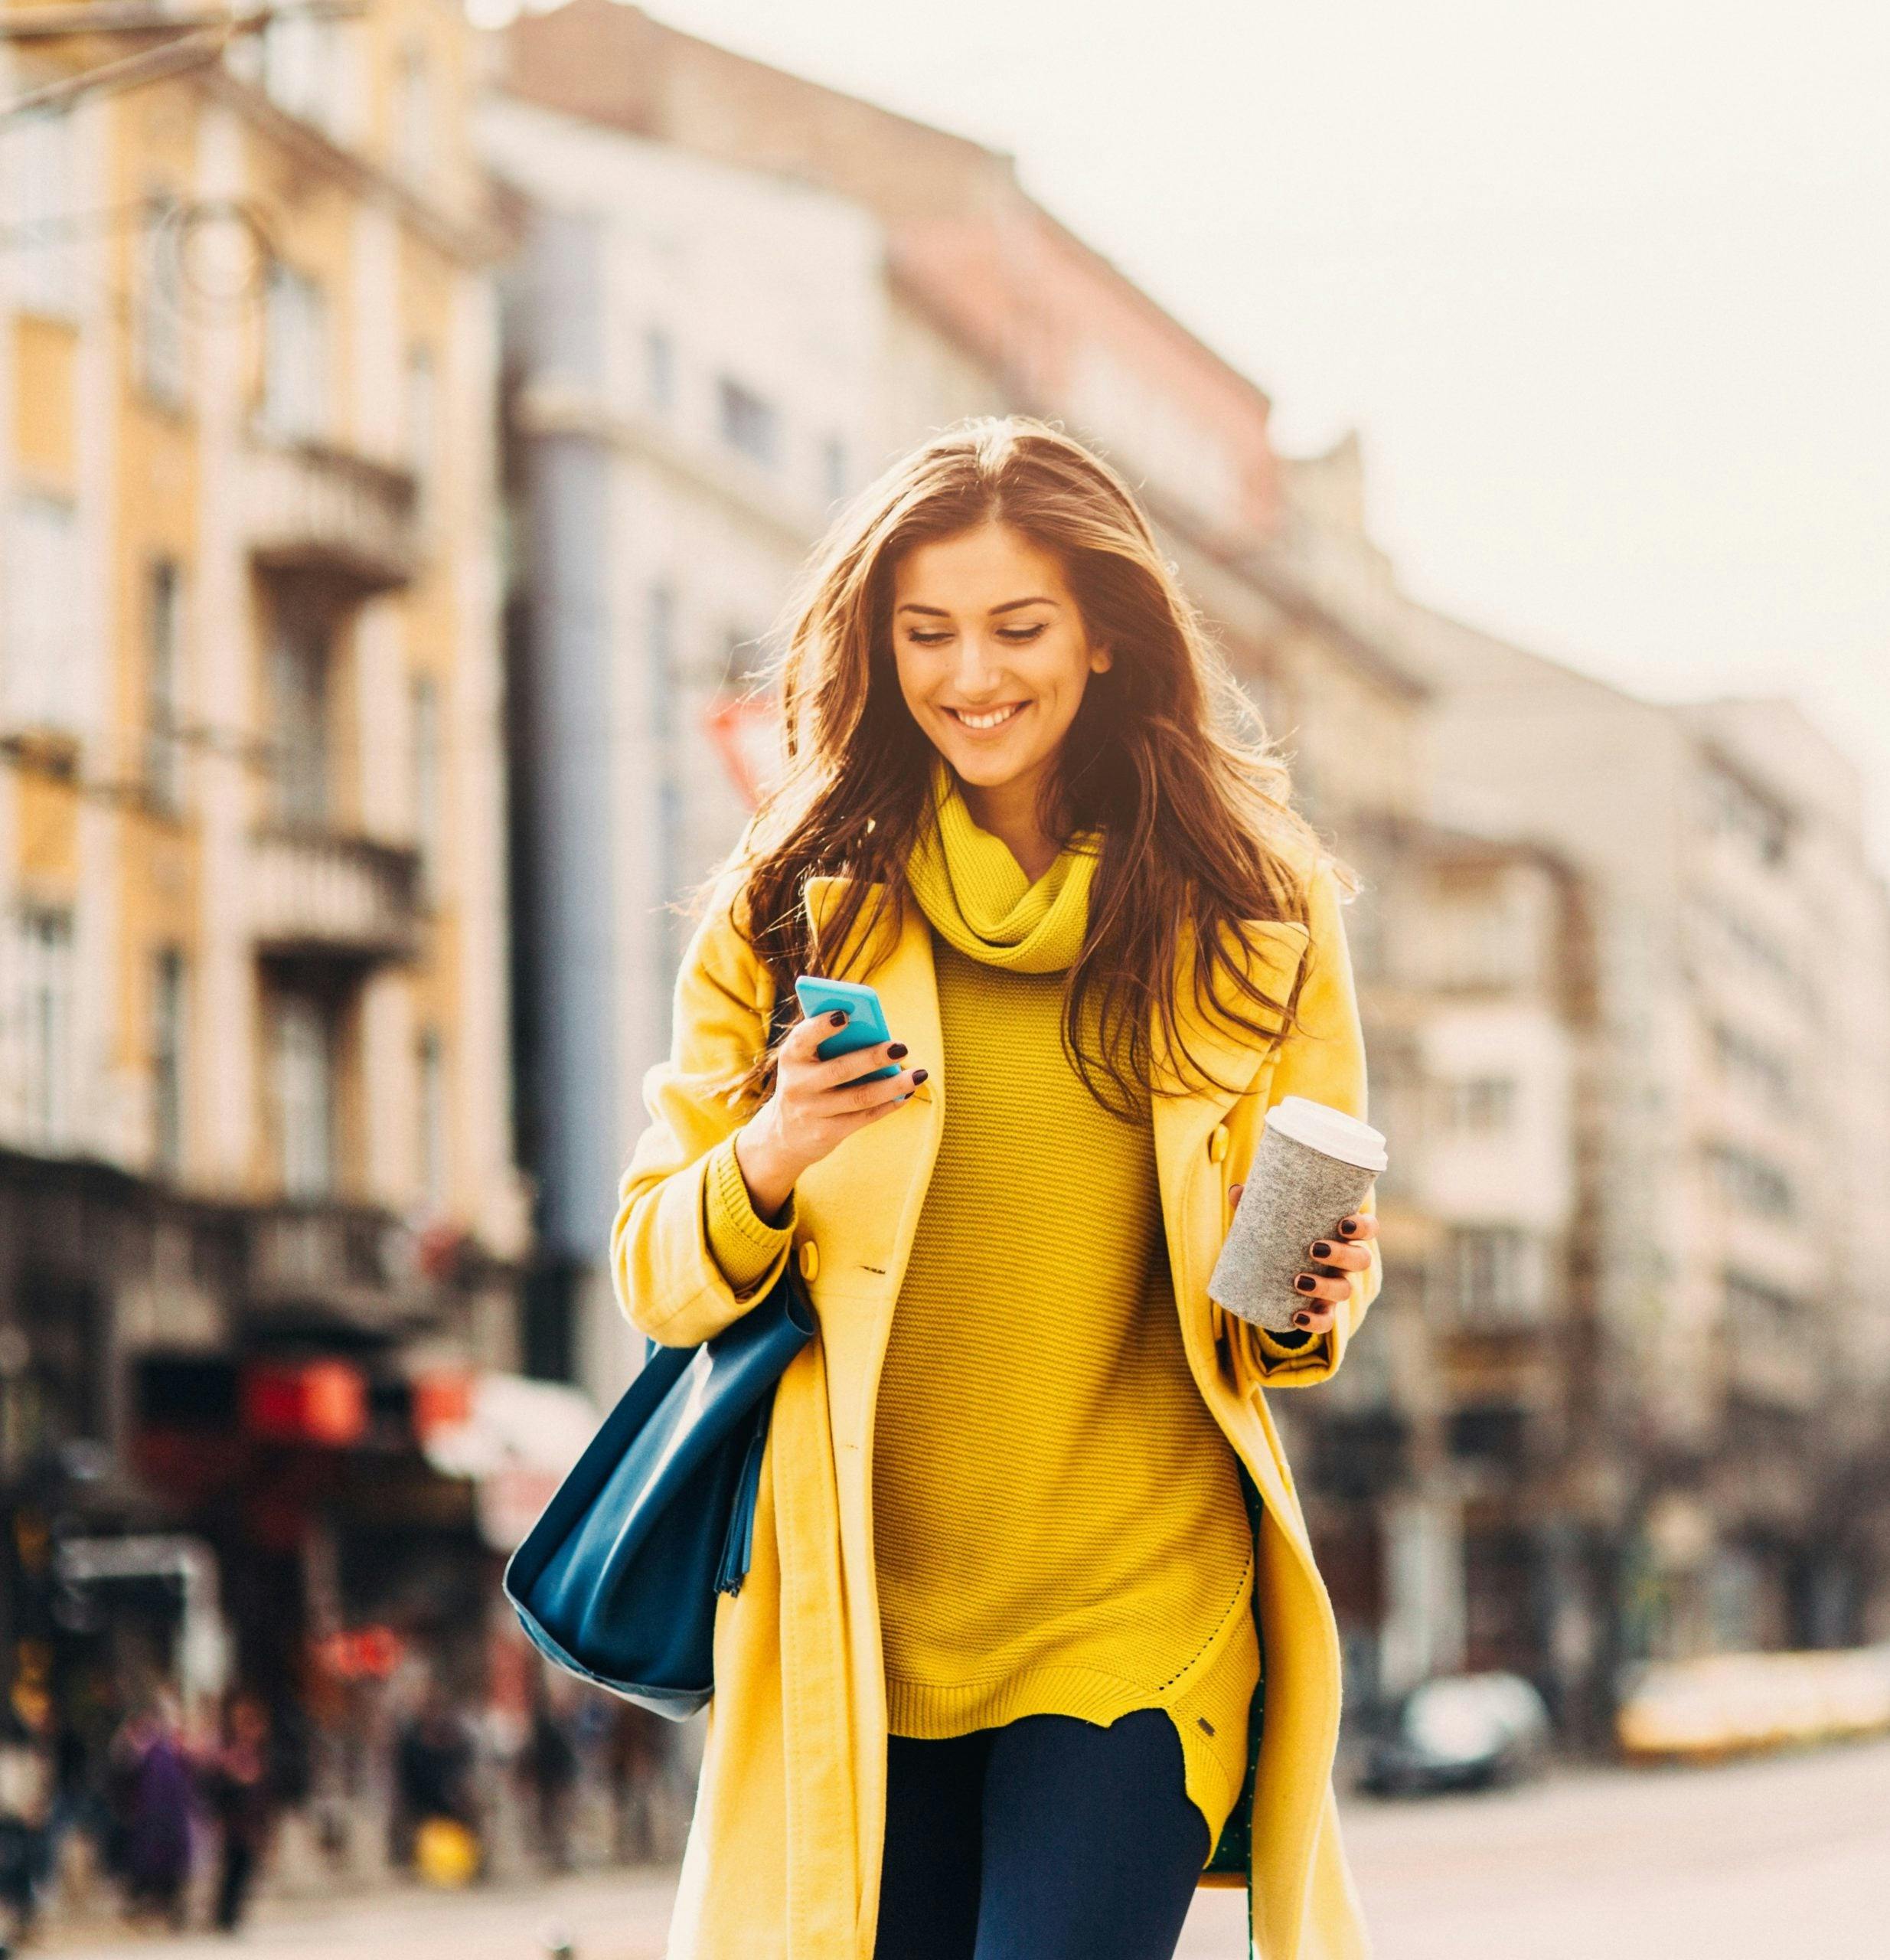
[{"x": 1101, "y": 659}]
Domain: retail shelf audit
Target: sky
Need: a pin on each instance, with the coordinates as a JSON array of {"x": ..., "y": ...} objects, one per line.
[{"x": 1605, "y": 288}]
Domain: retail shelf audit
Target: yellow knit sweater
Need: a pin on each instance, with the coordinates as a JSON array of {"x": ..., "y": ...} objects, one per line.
[{"x": 1059, "y": 1527}]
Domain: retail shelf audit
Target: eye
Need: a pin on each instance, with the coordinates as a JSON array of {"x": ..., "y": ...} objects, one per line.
[
  {"x": 927, "y": 639},
  {"x": 1021, "y": 636}
]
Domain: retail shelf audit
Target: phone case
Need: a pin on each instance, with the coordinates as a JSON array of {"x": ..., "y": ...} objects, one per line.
[{"x": 866, "y": 1029}]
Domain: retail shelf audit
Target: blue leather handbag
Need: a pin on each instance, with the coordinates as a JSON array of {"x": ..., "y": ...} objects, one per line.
[{"x": 617, "y": 1581}]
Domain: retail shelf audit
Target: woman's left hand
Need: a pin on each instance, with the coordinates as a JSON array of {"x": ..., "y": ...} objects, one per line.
[{"x": 1349, "y": 1250}]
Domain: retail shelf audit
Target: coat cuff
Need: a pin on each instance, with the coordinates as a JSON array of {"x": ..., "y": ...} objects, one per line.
[{"x": 741, "y": 1243}]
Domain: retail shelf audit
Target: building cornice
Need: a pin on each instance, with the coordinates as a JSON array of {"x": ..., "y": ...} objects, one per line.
[{"x": 473, "y": 242}]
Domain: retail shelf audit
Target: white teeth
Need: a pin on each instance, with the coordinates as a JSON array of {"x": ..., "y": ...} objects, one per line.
[{"x": 987, "y": 721}]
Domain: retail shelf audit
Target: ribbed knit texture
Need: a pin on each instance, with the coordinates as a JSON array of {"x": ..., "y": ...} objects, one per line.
[{"x": 1059, "y": 1527}]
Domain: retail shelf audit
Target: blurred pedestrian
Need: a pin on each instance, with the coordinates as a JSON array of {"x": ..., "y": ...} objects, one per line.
[
  {"x": 548, "y": 1766},
  {"x": 433, "y": 1762},
  {"x": 27, "y": 1777},
  {"x": 238, "y": 1795},
  {"x": 152, "y": 1779},
  {"x": 636, "y": 1770}
]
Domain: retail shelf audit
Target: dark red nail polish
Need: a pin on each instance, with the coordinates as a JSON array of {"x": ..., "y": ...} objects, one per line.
[
  {"x": 897, "y": 1049},
  {"x": 1302, "y": 1321},
  {"x": 918, "y": 1076},
  {"x": 1347, "y": 1227},
  {"x": 1321, "y": 1249},
  {"x": 838, "y": 1016},
  {"x": 1305, "y": 1283}
]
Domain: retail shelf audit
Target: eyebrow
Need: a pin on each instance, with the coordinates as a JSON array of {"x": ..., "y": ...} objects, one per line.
[{"x": 1009, "y": 605}]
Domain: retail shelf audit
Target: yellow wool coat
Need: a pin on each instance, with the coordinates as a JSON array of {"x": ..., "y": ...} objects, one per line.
[{"x": 782, "y": 1861}]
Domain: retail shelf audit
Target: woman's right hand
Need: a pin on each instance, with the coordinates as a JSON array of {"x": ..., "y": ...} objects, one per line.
[{"x": 813, "y": 1110}]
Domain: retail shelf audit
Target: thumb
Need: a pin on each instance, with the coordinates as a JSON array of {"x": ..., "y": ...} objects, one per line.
[{"x": 1234, "y": 1192}]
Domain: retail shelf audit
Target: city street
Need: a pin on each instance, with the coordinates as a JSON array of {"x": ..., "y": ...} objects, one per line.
[{"x": 1763, "y": 1859}]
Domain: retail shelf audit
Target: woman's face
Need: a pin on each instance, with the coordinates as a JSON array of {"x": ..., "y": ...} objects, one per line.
[{"x": 992, "y": 653}]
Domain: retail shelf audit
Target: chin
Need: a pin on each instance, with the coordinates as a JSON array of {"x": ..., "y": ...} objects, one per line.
[{"x": 987, "y": 772}]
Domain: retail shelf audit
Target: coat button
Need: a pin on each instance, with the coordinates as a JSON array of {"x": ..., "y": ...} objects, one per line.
[
  {"x": 1217, "y": 1142},
  {"x": 810, "y": 1259}
]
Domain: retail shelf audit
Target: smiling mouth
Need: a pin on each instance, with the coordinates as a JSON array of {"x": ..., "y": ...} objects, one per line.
[{"x": 992, "y": 718}]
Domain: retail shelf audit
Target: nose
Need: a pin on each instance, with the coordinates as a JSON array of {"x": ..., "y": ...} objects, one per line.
[{"x": 976, "y": 673}]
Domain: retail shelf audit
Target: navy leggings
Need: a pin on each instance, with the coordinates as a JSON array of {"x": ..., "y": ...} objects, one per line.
[{"x": 1050, "y": 1838}]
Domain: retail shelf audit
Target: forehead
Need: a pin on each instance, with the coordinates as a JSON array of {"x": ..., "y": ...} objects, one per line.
[{"x": 986, "y": 566}]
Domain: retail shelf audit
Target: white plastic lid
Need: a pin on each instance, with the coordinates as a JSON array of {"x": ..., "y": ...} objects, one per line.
[{"x": 1322, "y": 1128}]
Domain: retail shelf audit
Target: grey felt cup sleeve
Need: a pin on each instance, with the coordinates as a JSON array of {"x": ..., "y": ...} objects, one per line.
[{"x": 1292, "y": 1195}]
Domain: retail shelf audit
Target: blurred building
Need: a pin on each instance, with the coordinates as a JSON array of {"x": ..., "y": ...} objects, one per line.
[
  {"x": 692, "y": 352},
  {"x": 1727, "y": 1466},
  {"x": 256, "y": 1164}
]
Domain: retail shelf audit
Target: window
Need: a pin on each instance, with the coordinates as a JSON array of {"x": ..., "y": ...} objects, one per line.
[
  {"x": 42, "y": 1017},
  {"x": 1751, "y": 1182},
  {"x": 295, "y": 356},
  {"x": 422, "y": 431},
  {"x": 669, "y": 864},
  {"x": 164, "y": 634},
  {"x": 302, "y": 1067},
  {"x": 833, "y": 469},
  {"x": 301, "y": 67},
  {"x": 36, "y": 175},
  {"x": 299, "y": 691},
  {"x": 161, "y": 369},
  {"x": 748, "y": 422},
  {"x": 167, "y": 1005},
  {"x": 1764, "y": 1074},
  {"x": 41, "y": 674},
  {"x": 1479, "y": 1105},
  {"x": 414, "y": 116},
  {"x": 661, "y": 654},
  {"x": 427, "y": 827},
  {"x": 433, "y": 1111},
  {"x": 1496, "y": 1274},
  {"x": 1761, "y": 1314},
  {"x": 1735, "y": 809},
  {"x": 659, "y": 370}
]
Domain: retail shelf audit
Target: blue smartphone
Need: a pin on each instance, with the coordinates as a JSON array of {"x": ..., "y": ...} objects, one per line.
[{"x": 865, "y": 1028}]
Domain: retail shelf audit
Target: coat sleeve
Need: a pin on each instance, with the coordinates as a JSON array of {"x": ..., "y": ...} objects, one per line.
[
  {"x": 687, "y": 1254},
  {"x": 1324, "y": 1061}
]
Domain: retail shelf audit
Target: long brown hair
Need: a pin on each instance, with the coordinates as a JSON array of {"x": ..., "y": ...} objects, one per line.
[{"x": 1165, "y": 754}]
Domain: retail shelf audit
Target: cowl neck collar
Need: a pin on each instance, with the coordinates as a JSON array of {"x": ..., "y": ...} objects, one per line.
[{"x": 977, "y": 897}]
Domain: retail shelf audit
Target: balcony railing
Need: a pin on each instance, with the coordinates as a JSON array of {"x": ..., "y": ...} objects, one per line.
[
  {"x": 316, "y": 893},
  {"x": 309, "y": 507},
  {"x": 334, "y": 1260}
]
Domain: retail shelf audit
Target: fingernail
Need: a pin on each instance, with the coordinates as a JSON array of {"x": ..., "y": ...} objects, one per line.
[
  {"x": 1302, "y": 1320},
  {"x": 897, "y": 1049},
  {"x": 1321, "y": 1249},
  {"x": 838, "y": 1016},
  {"x": 1347, "y": 1227},
  {"x": 1305, "y": 1283},
  {"x": 918, "y": 1076}
]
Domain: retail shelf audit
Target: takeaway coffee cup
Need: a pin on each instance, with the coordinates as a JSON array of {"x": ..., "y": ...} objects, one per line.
[{"x": 1315, "y": 1165}]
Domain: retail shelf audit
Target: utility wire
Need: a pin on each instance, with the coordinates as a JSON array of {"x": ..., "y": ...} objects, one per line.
[{"x": 201, "y": 35}]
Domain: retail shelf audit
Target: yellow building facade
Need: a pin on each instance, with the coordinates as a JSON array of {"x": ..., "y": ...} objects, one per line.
[{"x": 255, "y": 1105}]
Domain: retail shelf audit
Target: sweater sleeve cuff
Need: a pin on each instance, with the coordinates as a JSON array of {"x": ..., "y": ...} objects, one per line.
[
  {"x": 743, "y": 1245},
  {"x": 1291, "y": 1348}
]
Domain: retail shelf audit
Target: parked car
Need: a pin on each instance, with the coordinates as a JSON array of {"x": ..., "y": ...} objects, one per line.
[{"x": 1459, "y": 1732}]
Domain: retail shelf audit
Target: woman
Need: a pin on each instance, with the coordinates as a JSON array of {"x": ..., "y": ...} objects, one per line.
[{"x": 986, "y": 1690}]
